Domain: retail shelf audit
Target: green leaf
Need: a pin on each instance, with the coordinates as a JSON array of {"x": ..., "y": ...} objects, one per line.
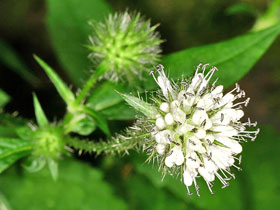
[
  {"x": 12, "y": 60},
  {"x": 118, "y": 112},
  {"x": 79, "y": 187},
  {"x": 4, "y": 98},
  {"x": 84, "y": 126},
  {"x": 39, "y": 113},
  {"x": 12, "y": 120},
  {"x": 53, "y": 167},
  {"x": 104, "y": 97},
  {"x": 67, "y": 21},
  {"x": 65, "y": 93},
  {"x": 261, "y": 170},
  {"x": 142, "y": 194},
  {"x": 234, "y": 58},
  {"x": 99, "y": 119},
  {"x": 11, "y": 150},
  {"x": 141, "y": 106}
]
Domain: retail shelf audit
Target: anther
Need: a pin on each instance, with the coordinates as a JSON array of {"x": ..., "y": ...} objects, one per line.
[
  {"x": 198, "y": 67},
  {"x": 203, "y": 123},
  {"x": 222, "y": 117}
]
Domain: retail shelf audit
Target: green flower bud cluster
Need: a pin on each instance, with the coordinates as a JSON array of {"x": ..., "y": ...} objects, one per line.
[{"x": 126, "y": 44}]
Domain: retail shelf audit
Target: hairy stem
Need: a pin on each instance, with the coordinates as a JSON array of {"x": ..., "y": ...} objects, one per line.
[
  {"x": 101, "y": 69},
  {"x": 117, "y": 145}
]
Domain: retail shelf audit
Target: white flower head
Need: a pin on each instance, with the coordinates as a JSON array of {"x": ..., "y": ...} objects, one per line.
[{"x": 197, "y": 129}]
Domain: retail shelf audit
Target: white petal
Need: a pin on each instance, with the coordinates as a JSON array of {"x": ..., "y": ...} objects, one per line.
[
  {"x": 200, "y": 133},
  {"x": 239, "y": 114},
  {"x": 208, "y": 177},
  {"x": 160, "y": 148},
  {"x": 210, "y": 138},
  {"x": 211, "y": 167},
  {"x": 199, "y": 116},
  {"x": 162, "y": 137},
  {"x": 232, "y": 144},
  {"x": 169, "y": 161},
  {"x": 174, "y": 105},
  {"x": 217, "y": 90},
  {"x": 169, "y": 119},
  {"x": 228, "y": 98},
  {"x": 164, "y": 107},
  {"x": 179, "y": 115},
  {"x": 196, "y": 80},
  {"x": 160, "y": 123},
  {"x": 184, "y": 128},
  {"x": 225, "y": 130},
  {"x": 195, "y": 144},
  {"x": 187, "y": 178},
  {"x": 179, "y": 157}
]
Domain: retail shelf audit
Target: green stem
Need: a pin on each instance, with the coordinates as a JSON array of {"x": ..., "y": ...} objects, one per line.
[
  {"x": 116, "y": 145},
  {"x": 101, "y": 69}
]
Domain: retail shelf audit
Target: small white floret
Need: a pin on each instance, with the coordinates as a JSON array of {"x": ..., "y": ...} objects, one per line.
[
  {"x": 169, "y": 119},
  {"x": 160, "y": 123},
  {"x": 164, "y": 107}
]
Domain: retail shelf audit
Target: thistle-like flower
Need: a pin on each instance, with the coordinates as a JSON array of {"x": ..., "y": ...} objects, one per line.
[
  {"x": 194, "y": 128},
  {"x": 126, "y": 44}
]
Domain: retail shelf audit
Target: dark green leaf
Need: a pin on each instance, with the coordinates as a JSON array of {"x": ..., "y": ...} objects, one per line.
[
  {"x": 67, "y": 21},
  {"x": 39, "y": 113},
  {"x": 99, "y": 119},
  {"x": 104, "y": 97},
  {"x": 142, "y": 194},
  {"x": 4, "y": 98},
  {"x": 65, "y": 93},
  {"x": 11, "y": 150},
  {"x": 79, "y": 187},
  {"x": 12, "y": 120},
  {"x": 84, "y": 126},
  {"x": 234, "y": 58},
  {"x": 11, "y": 60},
  {"x": 120, "y": 111}
]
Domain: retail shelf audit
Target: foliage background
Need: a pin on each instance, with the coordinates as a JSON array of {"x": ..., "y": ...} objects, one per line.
[{"x": 125, "y": 182}]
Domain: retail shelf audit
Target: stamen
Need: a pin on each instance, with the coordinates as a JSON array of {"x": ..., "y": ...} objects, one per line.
[
  {"x": 198, "y": 67},
  {"x": 211, "y": 72},
  {"x": 220, "y": 178},
  {"x": 210, "y": 189},
  {"x": 196, "y": 187},
  {"x": 238, "y": 168},
  {"x": 189, "y": 193},
  {"x": 246, "y": 102},
  {"x": 228, "y": 172},
  {"x": 204, "y": 67}
]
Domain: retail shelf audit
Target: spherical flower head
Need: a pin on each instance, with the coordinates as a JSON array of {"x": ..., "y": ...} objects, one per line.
[
  {"x": 126, "y": 44},
  {"x": 196, "y": 129}
]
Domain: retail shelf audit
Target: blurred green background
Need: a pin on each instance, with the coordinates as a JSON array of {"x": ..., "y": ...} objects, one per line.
[{"x": 126, "y": 182}]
